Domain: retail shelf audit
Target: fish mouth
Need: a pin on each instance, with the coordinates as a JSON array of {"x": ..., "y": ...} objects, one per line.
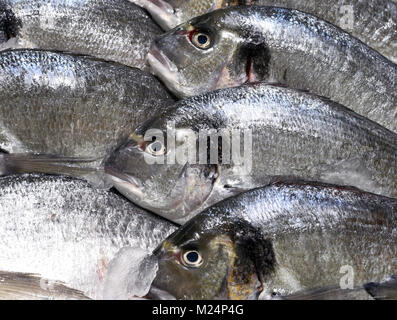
[
  {"x": 159, "y": 294},
  {"x": 185, "y": 199},
  {"x": 124, "y": 181},
  {"x": 161, "y": 11},
  {"x": 162, "y": 67}
]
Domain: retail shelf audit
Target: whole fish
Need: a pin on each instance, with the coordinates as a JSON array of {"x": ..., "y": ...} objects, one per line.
[
  {"x": 284, "y": 133},
  {"x": 241, "y": 44},
  {"x": 372, "y": 21},
  {"x": 280, "y": 240},
  {"x": 63, "y": 229},
  {"x": 70, "y": 105},
  {"x": 114, "y": 30},
  {"x": 25, "y": 286}
]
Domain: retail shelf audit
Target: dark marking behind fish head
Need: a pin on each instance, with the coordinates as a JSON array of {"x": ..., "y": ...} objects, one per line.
[{"x": 9, "y": 24}]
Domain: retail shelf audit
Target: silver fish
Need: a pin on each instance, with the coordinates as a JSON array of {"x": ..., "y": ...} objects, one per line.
[
  {"x": 70, "y": 105},
  {"x": 114, "y": 30},
  {"x": 286, "y": 133},
  {"x": 372, "y": 21},
  {"x": 281, "y": 240},
  {"x": 63, "y": 229},
  {"x": 231, "y": 46}
]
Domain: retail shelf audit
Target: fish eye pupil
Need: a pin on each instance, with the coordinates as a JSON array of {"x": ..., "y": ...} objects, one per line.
[
  {"x": 192, "y": 256},
  {"x": 202, "y": 39}
]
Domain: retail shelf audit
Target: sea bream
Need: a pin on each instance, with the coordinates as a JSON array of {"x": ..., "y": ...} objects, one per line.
[
  {"x": 64, "y": 230},
  {"x": 238, "y": 138},
  {"x": 374, "y": 22},
  {"x": 281, "y": 240},
  {"x": 114, "y": 30},
  {"x": 71, "y": 105},
  {"x": 231, "y": 46}
]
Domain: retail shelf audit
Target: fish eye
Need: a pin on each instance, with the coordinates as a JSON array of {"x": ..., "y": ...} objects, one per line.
[
  {"x": 192, "y": 259},
  {"x": 201, "y": 40},
  {"x": 156, "y": 148}
]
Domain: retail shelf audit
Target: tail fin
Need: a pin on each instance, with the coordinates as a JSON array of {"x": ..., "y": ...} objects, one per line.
[{"x": 52, "y": 164}]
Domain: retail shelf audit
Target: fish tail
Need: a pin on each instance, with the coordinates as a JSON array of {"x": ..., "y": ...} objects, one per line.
[{"x": 51, "y": 164}]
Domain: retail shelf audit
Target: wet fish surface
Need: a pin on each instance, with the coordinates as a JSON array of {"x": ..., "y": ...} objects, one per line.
[
  {"x": 25, "y": 286},
  {"x": 62, "y": 229},
  {"x": 283, "y": 132},
  {"x": 114, "y": 30},
  {"x": 283, "y": 239},
  {"x": 71, "y": 105},
  {"x": 374, "y": 22},
  {"x": 242, "y": 44}
]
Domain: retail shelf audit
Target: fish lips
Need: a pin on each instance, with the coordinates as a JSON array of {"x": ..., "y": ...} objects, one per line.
[
  {"x": 162, "y": 67},
  {"x": 162, "y": 12},
  {"x": 156, "y": 293}
]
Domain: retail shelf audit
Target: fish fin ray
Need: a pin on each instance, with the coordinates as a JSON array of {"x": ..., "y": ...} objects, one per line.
[{"x": 52, "y": 164}]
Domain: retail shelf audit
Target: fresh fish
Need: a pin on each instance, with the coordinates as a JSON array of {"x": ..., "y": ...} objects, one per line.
[
  {"x": 284, "y": 133},
  {"x": 25, "y": 286},
  {"x": 72, "y": 106},
  {"x": 62, "y": 229},
  {"x": 241, "y": 44},
  {"x": 374, "y": 22},
  {"x": 114, "y": 30},
  {"x": 280, "y": 240}
]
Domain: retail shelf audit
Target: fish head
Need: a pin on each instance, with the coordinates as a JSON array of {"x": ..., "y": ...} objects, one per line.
[
  {"x": 212, "y": 258},
  {"x": 170, "y": 13},
  {"x": 204, "y": 54},
  {"x": 143, "y": 170}
]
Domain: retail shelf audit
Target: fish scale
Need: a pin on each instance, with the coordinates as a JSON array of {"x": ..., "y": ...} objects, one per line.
[
  {"x": 63, "y": 229},
  {"x": 114, "y": 30},
  {"x": 72, "y": 105}
]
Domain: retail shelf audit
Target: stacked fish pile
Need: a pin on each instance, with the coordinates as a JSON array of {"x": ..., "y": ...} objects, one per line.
[{"x": 198, "y": 149}]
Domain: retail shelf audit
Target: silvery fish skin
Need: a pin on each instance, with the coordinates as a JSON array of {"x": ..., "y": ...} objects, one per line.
[
  {"x": 372, "y": 21},
  {"x": 65, "y": 230},
  {"x": 25, "y": 286},
  {"x": 72, "y": 105},
  {"x": 241, "y": 44},
  {"x": 294, "y": 134},
  {"x": 283, "y": 239},
  {"x": 114, "y": 30},
  {"x": 327, "y": 293}
]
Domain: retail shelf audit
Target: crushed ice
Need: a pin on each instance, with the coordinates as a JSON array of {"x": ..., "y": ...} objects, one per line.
[{"x": 130, "y": 274}]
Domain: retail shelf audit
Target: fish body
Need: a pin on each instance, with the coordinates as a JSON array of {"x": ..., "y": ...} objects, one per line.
[
  {"x": 283, "y": 239},
  {"x": 71, "y": 105},
  {"x": 114, "y": 30},
  {"x": 374, "y": 22},
  {"x": 63, "y": 229},
  {"x": 25, "y": 286},
  {"x": 284, "y": 133},
  {"x": 242, "y": 44}
]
